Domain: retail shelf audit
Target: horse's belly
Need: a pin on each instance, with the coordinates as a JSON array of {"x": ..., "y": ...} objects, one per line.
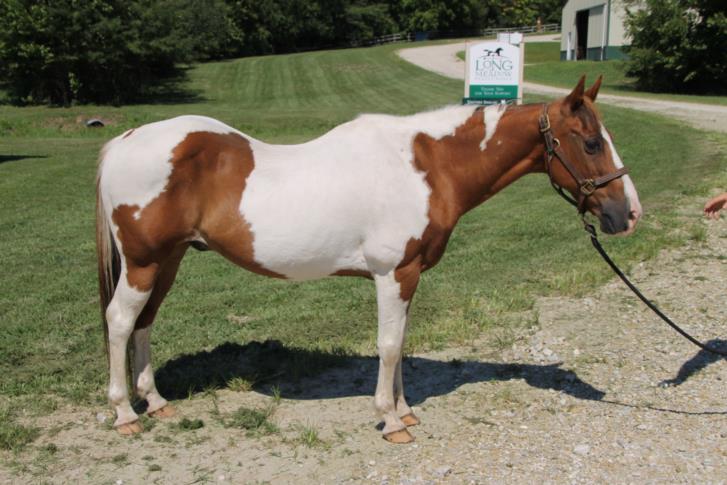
[{"x": 312, "y": 233}]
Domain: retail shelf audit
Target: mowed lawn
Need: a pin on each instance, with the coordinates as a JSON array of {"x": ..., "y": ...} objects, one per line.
[
  {"x": 524, "y": 243},
  {"x": 543, "y": 66},
  {"x": 547, "y": 68}
]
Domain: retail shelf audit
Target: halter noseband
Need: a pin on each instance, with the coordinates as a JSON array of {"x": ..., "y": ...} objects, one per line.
[{"x": 586, "y": 186}]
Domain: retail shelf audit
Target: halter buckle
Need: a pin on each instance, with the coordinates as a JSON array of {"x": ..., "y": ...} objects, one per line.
[
  {"x": 544, "y": 123},
  {"x": 588, "y": 187}
]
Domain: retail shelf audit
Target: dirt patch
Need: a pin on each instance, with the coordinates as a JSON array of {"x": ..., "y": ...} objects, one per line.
[
  {"x": 598, "y": 391},
  {"x": 75, "y": 123}
]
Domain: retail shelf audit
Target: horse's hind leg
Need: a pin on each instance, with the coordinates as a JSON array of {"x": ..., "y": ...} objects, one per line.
[
  {"x": 143, "y": 373},
  {"x": 121, "y": 314}
]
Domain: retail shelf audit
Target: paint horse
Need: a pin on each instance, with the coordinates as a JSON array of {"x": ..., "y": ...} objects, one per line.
[{"x": 377, "y": 197}]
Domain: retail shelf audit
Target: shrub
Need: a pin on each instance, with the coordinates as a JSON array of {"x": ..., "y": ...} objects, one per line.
[{"x": 678, "y": 46}]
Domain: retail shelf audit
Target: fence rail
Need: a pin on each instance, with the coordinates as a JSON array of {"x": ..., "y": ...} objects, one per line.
[
  {"x": 528, "y": 29},
  {"x": 408, "y": 37}
]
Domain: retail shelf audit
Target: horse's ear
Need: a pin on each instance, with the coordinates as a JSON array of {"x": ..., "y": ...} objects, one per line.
[
  {"x": 575, "y": 99},
  {"x": 593, "y": 90}
]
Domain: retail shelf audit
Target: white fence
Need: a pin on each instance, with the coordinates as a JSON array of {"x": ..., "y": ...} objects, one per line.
[
  {"x": 408, "y": 37},
  {"x": 525, "y": 29}
]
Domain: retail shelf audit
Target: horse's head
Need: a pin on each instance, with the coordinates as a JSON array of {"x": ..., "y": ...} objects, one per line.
[{"x": 585, "y": 163}]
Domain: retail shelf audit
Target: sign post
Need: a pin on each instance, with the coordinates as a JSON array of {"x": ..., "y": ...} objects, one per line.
[{"x": 493, "y": 72}]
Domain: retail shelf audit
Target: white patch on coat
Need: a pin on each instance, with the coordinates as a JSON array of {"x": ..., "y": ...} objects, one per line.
[
  {"x": 135, "y": 170},
  {"x": 492, "y": 116},
  {"x": 629, "y": 188},
  {"x": 350, "y": 199}
]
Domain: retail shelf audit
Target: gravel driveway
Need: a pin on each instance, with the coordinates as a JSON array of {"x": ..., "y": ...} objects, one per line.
[{"x": 443, "y": 60}]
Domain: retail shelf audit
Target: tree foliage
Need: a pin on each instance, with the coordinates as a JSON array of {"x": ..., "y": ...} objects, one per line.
[
  {"x": 679, "y": 46},
  {"x": 58, "y": 51},
  {"x": 113, "y": 51}
]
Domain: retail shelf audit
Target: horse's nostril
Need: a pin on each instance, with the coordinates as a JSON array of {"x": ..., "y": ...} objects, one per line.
[{"x": 633, "y": 215}]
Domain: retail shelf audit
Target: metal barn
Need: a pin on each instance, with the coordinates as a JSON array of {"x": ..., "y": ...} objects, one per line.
[{"x": 593, "y": 30}]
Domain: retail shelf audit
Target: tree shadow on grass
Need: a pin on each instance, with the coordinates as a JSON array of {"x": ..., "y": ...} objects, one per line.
[
  {"x": 14, "y": 158},
  {"x": 306, "y": 374},
  {"x": 174, "y": 89}
]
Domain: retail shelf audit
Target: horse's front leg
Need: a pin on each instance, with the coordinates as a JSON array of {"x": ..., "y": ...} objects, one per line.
[
  {"x": 402, "y": 408},
  {"x": 393, "y": 293}
]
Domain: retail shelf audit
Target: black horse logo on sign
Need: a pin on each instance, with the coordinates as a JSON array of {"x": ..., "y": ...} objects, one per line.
[{"x": 491, "y": 53}]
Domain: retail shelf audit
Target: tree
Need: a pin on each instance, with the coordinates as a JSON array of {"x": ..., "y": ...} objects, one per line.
[
  {"x": 678, "y": 46},
  {"x": 61, "y": 51}
]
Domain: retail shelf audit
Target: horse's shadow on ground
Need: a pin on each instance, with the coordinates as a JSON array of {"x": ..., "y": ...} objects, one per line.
[
  {"x": 307, "y": 374},
  {"x": 700, "y": 360}
]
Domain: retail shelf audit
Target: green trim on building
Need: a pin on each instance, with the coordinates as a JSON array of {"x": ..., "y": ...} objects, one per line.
[
  {"x": 615, "y": 52},
  {"x": 594, "y": 53}
]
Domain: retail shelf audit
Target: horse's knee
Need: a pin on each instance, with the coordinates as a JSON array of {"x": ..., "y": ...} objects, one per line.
[{"x": 389, "y": 351}]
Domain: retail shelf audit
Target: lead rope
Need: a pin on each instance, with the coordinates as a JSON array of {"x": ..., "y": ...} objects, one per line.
[{"x": 596, "y": 244}]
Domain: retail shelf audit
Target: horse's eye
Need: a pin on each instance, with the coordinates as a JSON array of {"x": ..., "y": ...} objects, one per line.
[{"x": 593, "y": 145}]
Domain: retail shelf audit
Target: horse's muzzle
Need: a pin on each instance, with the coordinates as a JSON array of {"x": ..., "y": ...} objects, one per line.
[{"x": 617, "y": 217}]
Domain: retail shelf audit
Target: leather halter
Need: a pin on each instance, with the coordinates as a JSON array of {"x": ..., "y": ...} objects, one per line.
[{"x": 586, "y": 186}]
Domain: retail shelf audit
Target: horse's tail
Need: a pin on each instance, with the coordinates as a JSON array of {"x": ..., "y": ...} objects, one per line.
[{"x": 109, "y": 261}]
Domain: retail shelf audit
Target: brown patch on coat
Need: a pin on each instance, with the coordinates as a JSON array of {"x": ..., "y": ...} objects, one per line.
[
  {"x": 163, "y": 283},
  {"x": 128, "y": 133},
  {"x": 201, "y": 197},
  {"x": 462, "y": 176}
]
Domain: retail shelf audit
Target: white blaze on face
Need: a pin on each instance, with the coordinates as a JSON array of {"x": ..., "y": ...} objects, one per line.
[
  {"x": 492, "y": 117},
  {"x": 629, "y": 188}
]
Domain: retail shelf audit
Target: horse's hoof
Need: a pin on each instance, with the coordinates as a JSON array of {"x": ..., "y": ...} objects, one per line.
[
  {"x": 399, "y": 437},
  {"x": 128, "y": 429},
  {"x": 410, "y": 419},
  {"x": 166, "y": 411}
]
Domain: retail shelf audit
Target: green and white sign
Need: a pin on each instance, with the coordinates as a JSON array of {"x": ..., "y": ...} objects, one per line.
[{"x": 493, "y": 71}]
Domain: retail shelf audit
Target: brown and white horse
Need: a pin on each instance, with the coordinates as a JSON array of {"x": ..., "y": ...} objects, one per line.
[{"x": 376, "y": 197}]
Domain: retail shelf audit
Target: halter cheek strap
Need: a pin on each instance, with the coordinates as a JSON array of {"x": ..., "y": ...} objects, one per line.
[{"x": 586, "y": 186}]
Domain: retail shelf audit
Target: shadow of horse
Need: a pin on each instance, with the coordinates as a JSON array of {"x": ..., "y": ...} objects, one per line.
[
  {"x": 700, "y": 360},
  {"x": 310, "y": 374}
]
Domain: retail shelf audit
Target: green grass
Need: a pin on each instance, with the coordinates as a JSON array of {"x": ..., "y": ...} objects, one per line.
[
  {"x": 15, "y": 436},
  {"x": 543, "y": 66},
  {"x": 186, "y": 424},
  {"x": 308, "y": 437},
  {"x": 524, "y": 243},
  {"x": 255, "y": 421},
  {"x": 615, "y": 81}
]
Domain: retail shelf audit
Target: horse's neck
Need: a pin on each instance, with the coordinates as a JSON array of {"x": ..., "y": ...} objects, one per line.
[{"x": 478, "y": 160}]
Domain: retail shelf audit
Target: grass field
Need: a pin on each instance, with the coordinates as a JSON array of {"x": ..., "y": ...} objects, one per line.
[
  {"x": 547, "y": 68},
  {"x": 524, "y": 243}
]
